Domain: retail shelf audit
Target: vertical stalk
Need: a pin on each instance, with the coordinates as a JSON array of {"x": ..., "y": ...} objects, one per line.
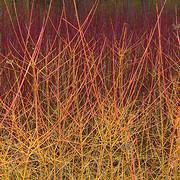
[{"x": 160, "y": 84}]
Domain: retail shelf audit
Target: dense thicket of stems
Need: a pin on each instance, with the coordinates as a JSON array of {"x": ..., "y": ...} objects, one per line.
[{"x": 82, "y": 99}]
